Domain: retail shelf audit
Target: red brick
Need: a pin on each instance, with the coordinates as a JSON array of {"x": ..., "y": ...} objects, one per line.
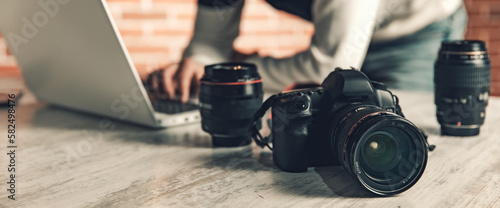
[
  {"x": 131, "y": 32},
  {"x": 482, "y": 21},
  {"x": 484, "y": 24},
  {"x": 147, "y": 49},
  {"x": 484, "y": 33},
  {"x": 495, "y": 60},
  {"x": 494, "y": 13},
  {"x": 495, "y": 74},
  {"x": 173, "y": 33},
  {"x": 140, "y": 15},
  {"x": 480, "y": 6},
  {"x": 493, "y": 47},
  {"x": 184, "y": 16},
  {"x": 495, "y": 88},
  {"x": 477, "y": 34}
]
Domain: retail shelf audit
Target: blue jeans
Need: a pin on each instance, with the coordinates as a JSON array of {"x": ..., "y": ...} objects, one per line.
[{"x": 408, "y": 62}]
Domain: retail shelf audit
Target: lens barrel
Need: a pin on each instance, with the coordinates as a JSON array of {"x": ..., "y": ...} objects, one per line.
[
  {"x": 462, "y": 86},
  {"x": 230, "y": 93},
  {"x": 382, "y": 150}
]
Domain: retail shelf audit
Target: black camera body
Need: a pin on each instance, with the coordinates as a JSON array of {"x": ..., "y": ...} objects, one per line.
[
  {"x": 349, "y": 121},
  {"x": 302, "y": 119}
]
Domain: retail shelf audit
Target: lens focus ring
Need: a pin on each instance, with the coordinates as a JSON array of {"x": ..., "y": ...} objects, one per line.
[
  {"x": 348, "y": 116},
  {"x": 462, "y": 76},
  {"x": 357, "y": 127}
]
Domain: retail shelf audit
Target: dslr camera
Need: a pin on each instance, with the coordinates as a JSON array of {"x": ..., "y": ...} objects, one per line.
[{"x": 349, "y": 121}]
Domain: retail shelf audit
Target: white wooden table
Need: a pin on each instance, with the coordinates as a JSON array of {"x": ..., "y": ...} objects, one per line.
[{"x": 67, "y": 159}]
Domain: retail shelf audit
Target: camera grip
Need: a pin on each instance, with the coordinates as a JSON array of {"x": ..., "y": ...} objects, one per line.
[{"x": 290, "y": 132}]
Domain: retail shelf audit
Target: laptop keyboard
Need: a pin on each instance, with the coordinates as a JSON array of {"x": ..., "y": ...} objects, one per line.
[{"x": 173, "y": 107}]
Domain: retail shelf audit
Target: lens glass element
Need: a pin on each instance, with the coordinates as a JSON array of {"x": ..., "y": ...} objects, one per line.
[
  {"x": 383, "y": 150},
  {"x": 380, "y": 149}
]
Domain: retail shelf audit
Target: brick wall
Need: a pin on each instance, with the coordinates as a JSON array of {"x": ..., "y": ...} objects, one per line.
[
  {"x": 156, "y": 31},
  {"x": 484, "y": 24}
]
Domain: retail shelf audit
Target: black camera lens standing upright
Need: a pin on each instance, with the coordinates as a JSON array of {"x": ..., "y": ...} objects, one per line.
[
  {"x": 462, "y": 86},
  {"x": 230, "y": 94}
]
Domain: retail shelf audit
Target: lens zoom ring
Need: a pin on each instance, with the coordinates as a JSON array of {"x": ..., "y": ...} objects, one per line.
[
  {"x": 462, "y": 76},
  {"x": 346, "y": 118}
]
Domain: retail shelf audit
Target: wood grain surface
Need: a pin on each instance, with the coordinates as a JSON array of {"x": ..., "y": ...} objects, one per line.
[{"x": 68, "y": 159}]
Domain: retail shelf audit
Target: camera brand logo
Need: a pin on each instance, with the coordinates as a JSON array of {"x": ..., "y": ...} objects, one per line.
[{"x": 31, "y": 26}]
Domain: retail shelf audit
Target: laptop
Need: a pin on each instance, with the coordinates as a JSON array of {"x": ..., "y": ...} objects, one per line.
[{"x": 71, "y": 55}]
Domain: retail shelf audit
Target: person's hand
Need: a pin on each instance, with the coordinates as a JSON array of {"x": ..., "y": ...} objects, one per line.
[
  {"x": 240, "y": 57},
  {"x": 176, "y": 79},
  {"x": 180, "y": 79}
]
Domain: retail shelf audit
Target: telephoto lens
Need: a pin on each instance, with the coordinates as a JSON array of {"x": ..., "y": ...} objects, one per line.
[
  {"x": 230, "y": 94},
  {"x": 462, "y": 86}
]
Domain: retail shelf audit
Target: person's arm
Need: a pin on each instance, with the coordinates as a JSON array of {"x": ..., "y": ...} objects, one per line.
[
  {"x": 217, "y": 26},
  {"x": 343, "y": 30}
]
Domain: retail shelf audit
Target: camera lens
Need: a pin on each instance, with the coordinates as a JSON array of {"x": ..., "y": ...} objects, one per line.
[
  {"x": 462, "y": 86},
  {"x": 230, "y": 93},
  {"x": 379, "y": 150},
  {"x": 382, "y": 150}
]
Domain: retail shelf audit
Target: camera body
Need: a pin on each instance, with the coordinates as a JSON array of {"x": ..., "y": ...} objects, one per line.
[{"x": 302, "y": 120}]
